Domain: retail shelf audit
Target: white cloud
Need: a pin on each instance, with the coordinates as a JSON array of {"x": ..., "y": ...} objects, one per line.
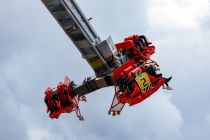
[
  {"x": 163, "y": 119},
  {"x": 37, "y": 133},
  {"x": 177, "y": 13},
  {"x": 155, "y": 118}
]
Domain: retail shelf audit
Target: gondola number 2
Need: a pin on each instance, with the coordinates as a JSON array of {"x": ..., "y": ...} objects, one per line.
[{"x": 143, "y": 82}]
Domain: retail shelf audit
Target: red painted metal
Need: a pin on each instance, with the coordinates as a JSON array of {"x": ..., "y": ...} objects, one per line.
[
  {"x": 65, "y": 100},
  {"x": 129, "y": 69}
]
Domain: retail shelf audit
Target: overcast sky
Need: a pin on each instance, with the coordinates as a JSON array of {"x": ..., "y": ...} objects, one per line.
[{"x": 35, "y": 53}]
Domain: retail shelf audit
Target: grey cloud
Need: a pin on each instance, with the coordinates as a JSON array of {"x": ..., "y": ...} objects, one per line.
[
  {"x": 119, "y": 18},
  {"x": 12, "y": 126},
  {"x": 205, "y": 23},
  {"x": 36, "y": 53},
  {"x": 184, "y": 53}
]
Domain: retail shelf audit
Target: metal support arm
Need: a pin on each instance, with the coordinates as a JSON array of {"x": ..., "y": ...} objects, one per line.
[{"x": 91, "y": 84}]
